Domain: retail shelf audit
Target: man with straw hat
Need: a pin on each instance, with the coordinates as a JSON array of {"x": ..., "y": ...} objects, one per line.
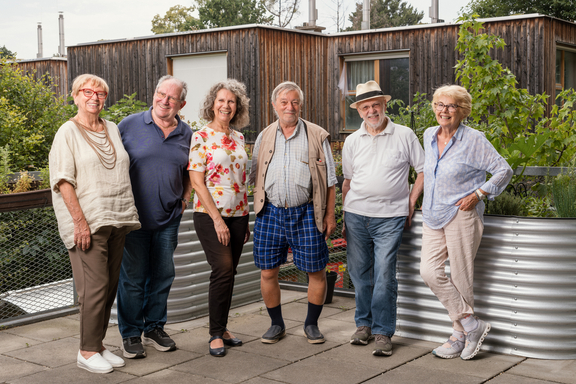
[{"x": 376, "y": 160}]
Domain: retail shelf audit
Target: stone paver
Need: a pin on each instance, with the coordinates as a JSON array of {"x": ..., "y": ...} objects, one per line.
[
  {"x": 256, "y": 325},
  {"x": 70, "y": 373},
  {"x": 48, "y": 330},
  {"x": 156, "y": 361},
  {"x": 560, "y": 371},
  {"x": 485, "y": 365},
  {"x": 362, "y": 355},
  {"x": 13, "y": 368},
  {"x": 10, "y": 342},
  {"x": 291, "y": 348},
  {"x": 412, "y": 375},
  {"x": 506, "y": 378},
  {"x": 174, "y": 377},
  {"x": 54, "y": 354},
  {"x": 235, "y": 367},
  {"x": 46, "y": 352},
  {"x": 316, "y": 371}
]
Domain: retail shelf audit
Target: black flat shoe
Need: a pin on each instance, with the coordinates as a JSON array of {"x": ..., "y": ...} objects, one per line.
[
  {"x": 313, "y": 334},
  {"x": 232, "y": 342},
  {"x": 218, "y": 352},
  {"x": 273, "y": 334}
]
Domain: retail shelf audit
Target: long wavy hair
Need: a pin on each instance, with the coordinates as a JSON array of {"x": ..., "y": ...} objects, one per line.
[{"x": 241, "y": 118}]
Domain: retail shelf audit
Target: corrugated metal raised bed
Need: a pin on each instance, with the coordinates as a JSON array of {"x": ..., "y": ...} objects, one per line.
[
  {"x": 524, "y": 284},
  {"x": 188, "y": 297}
]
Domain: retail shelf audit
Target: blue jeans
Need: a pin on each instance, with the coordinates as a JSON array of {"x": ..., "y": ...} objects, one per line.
[
  {"x": 372, "y": 244},
  {"x": 146, "y": 276}
]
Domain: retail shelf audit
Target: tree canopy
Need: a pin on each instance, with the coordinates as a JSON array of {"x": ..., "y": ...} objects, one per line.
[
  {"x": 385, "y": 14},
  {"x": 6, "y": 53},
  {"x": 177, "y": 19},
  {"x": 211, "y": 14},
  {"x": 562, "y": 9}
]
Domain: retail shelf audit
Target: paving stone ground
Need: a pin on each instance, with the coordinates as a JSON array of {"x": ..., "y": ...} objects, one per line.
[{"x": 45, "y": 353}]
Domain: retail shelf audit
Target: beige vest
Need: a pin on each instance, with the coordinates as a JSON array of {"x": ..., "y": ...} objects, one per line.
[{"x": 316, "y": 163}]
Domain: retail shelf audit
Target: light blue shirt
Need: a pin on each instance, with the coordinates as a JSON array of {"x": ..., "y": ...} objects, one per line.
[
  {"x": 458, "y": 172},
  {"x": 288, "y": 181}
]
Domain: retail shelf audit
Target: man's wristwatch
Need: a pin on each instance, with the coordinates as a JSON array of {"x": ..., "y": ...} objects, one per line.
[
  {"x": 186, "y": 202},
  {"x": 479, "y": 195}
]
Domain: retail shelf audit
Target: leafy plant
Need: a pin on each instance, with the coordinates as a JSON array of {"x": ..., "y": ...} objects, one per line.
[
  {"x": 30, "y": 115},
  {"x": 44, "y": 178},
  {"x": 24, "y": 182},
  {"x": 4, "y": 168},
  {"x": 512, "y": 119},
  {"x": 126, "y": 106},
  {"x": 564, "y": 193},
  {"x": 506, "y": 204}
]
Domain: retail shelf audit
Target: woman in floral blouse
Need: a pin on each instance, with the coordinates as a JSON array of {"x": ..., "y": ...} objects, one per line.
[{"x": 218, "y": 173}]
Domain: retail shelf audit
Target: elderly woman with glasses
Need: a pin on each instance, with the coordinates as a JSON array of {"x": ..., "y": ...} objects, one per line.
[
  {"x": 95, "y": 210},
  {"x": 218, "y": 174},
  {"x": 457, "y": 159}
]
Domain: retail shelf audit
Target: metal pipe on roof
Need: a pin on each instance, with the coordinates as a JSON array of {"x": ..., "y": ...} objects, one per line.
[
  {"x": 40, "y": 53},
  {"x": 61, "y": 47},
  {"x": 366, "y": 15}
]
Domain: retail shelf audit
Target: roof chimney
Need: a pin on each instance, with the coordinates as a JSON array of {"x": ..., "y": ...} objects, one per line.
[
  {"x": 40, "y": 53},
  {"x": 366, "y": 15},
  {"x": 61, "y": 47},
  {"x": 434, "y": 12}
]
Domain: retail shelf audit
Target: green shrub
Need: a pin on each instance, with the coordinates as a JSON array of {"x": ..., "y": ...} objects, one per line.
[
  {"x": 506, "y": 204},
  {"x": 30, "y": 115},
  {"x": 126, "y": 106},
  {"x": 564, "y": 193}
]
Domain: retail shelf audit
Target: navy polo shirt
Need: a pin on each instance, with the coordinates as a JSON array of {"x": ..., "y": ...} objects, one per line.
[{"x": 158, "y": 167}]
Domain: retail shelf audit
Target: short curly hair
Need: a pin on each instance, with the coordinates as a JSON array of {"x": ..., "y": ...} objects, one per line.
[
  {"x": 458, "y": 93},
  {"x": 241, "y": 118}
]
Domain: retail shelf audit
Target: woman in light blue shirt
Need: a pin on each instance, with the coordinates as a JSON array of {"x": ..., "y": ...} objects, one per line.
[{"x": 457, "y": 159}]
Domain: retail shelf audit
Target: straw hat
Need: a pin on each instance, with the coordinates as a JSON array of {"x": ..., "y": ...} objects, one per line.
[{"x": 368, "y": 91}]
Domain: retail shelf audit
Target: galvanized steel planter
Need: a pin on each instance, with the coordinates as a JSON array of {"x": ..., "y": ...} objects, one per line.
[
  {"x": 524, "y": 285},
  {"x": 188, "y": 297}
]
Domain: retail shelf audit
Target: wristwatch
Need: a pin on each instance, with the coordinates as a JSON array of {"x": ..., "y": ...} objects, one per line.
[
  {"x": 479, "y": 195},
  {"x": 186, "y": 202}
]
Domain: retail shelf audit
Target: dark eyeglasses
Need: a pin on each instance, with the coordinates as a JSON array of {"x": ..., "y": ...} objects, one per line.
[
  {"x": 89, "y": 93},
  {"x": 451, "y": 107}
]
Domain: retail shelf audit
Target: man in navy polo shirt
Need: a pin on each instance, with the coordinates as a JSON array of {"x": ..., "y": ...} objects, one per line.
[{"x": 158, "y": 143}]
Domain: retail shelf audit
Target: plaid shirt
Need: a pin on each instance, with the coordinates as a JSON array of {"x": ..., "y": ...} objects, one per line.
[{"x": 288, "y": 181}]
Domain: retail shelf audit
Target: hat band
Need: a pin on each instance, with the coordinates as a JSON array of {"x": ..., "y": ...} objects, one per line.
[{"x": 368, "y": 95}]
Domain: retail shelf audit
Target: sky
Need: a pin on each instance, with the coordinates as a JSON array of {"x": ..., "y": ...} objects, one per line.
[{"x": 88, "y": 21}]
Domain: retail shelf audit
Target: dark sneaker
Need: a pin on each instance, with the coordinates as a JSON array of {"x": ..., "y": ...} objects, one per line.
[
  {"x": 362, "y": 336},
  {"x": 132, "y": 347},
  {"x": 159, "y": 340},
  {"x": 273, "y": 334},
  {"x": 474, "y": 340},
  {"x": 313, "y": 334},
  {"x": 382, "y": 345}
]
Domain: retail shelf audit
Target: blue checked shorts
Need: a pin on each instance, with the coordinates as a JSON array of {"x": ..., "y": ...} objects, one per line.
[{"x": 276, "y": 229}]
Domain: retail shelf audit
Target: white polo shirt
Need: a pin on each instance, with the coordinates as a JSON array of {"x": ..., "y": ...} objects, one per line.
[{"x": 378, "y": 167}]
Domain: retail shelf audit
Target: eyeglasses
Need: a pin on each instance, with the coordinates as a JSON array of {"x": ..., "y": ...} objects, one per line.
[
  {"x": 373, "y": 106},
  {"x": 451, "y": 107},
  {"x": 171, "y": 100},
  {"x": 89, "y": 93}
]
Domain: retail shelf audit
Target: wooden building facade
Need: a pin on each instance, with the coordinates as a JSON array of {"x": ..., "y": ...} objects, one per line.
[
  {"x": 264, "y": 56},
  {"x": 55, "y": 67}
]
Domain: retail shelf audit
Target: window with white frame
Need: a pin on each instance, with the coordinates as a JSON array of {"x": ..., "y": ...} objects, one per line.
[{"x": 389, "y": 69}]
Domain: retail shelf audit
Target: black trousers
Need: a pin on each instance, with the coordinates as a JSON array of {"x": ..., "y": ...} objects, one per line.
[{"x": 224, "y": 261}]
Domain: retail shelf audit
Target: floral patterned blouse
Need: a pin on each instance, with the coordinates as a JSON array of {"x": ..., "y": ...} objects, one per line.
[{"x": 223, "y": 160}]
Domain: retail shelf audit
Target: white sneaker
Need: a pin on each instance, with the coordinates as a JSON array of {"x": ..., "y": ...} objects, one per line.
[
  {"x": 114, "y": 360},
  {"x": 95, "y": 364}
]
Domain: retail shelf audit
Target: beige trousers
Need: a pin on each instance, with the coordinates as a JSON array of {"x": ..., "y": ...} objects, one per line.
[
  {"x": 458, "y": 241},
  {"x": 96, "y": 273}
]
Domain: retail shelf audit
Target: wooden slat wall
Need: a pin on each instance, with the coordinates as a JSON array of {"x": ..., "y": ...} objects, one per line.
[
  {"x": 55, "y": 68},
  {"x": 264, "y": 57}
]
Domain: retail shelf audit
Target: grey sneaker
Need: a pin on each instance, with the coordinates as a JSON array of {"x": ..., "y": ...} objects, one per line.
[
  {"x": 382, "y": 346},
  {"x": 362, "y": 336},
  {"x": 474, "y": 340},
  {"x": 455, "y": 349}
]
